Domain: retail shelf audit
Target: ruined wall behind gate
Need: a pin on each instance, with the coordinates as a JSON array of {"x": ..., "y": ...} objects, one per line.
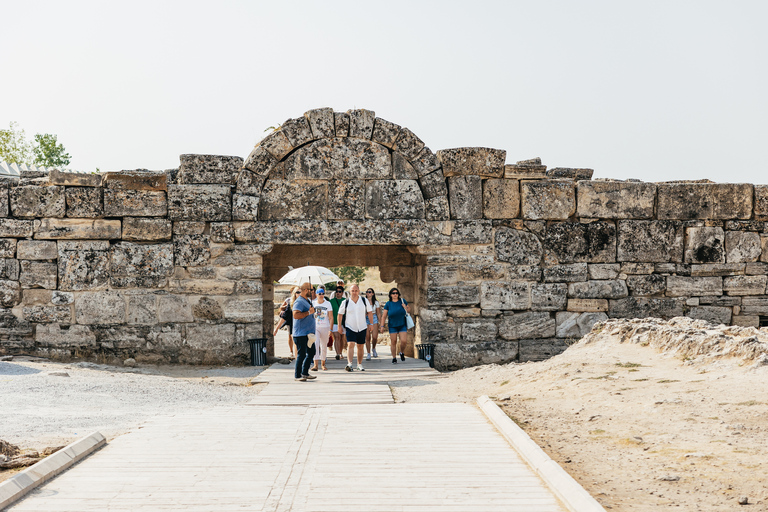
[{"x": 517, "y": 259}]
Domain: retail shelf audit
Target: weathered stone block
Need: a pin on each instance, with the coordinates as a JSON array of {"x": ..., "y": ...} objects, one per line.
[
  {"x": 208, "y": 308},
  {"x": 250, "y": 183},
  {"x": 478, "y": 331},
  {"x": 10, "y": 293},
  {"x": 134, "y": 203},
  {"x": 361, "y": 123},
  {"x": 754, "y": 306},
  {"x": 3, "y": 199},
  {"x": 346, "y": 199},
  {"x": 36, "y": 201},
  {"x": 385, "y": 132},
  {"x": 650, "y": 241},
  {"x": 505, "y": 295},
  {"x": 745, "y": 285},
  {"x": 437, "y": 209},
  {"x": 321, "y": 122},
  {"x": 74, "y": 179},
  {"x": 501, "y": 199},
  {"x": 297, "y": 131},
  {"x": 54, "y": 335},
  {"x": 524, "y": 273},
  {"x": 393, "y": 199},
  {"x": 610, "y": 289},
  {"x": 202, "y": 286},
  {"x": 453, "y": 355},
  {"x": 425, "y": 163},
  {"x": 704, "y": 201},
  {"x": 136, "y": 180},
  {"x": 529, "y": 324},
  {"x": 142, "y": 309},
  {"x": 705, "y": 245},
  {"x": 539, "y": 350},
  {"x": 173, "y": 309},
  {"x": 465, "y": 195},
  {"x": 517, "y": 247},
  {"x": 724, "y": 301},
  {"x": 678, "y": 286},
  {"x": 38, "y": 274},
  {"x": 260, "y": 163},
  {"x": 548, "y": 297},
  {"x": 247, "y": 287},
  {"x": 245, "y": 207},
  {"x": 634, "y": 268},
  {"x": 184, "y": 227},
  {"x": 642, "y": 307},
  {"x": 616, "y": 199},
  {"x": 191, "y": 250},
  {"x": 448, "y": 296},
  {"x": 573, "y": 242},
  {"x": 653, "y": 284},
  {"x": 237, "y": 273},
  {"x": 209, "y": 168},
  {"x": 142, "y": 229},
  {"x": 746, "y": 320},
  {"x": 228, "y": 255},
  {"x": 47, "y": 314},
  {"x": 210, "y": 336},
  {"x": 222, "y": 232},
  {"x": 7, "y": 247},
  {"x": 84, "y": 202},
  {"x": 60, "y": 298},
  {"x": 341, "y": 124},
  {"x": 199, "y": 202},
  {"x": 246, "y": 310},
  {"x": 484, "y": 162},
  {"x": 587, "y": 305},
  {"x": 78, "y": 229},
  {"x": 276, "y": 144},
  {"x": 83, "y": 265},
  {"x": 299, "y": 199},
  {"x": 756, "y": 269},
  {"x": 715, "y": 315},
  {"x": 402, "y": 168},
  {"x": 548, "y": 199},
  {"x": 9, "y": 269},
  {"x": 16, "y": 228},
  {"x": 409, "y": 145},
  {"x": 761, "y": 201},
  {"x": 128, "y": 259},
  {"x": 471, "y": 232},
  {"x": 36, "y": 250},
  {"x": 603, "y": 270},
  {"x": 434, "y": 185},
  {"x": 717, "y": 269},
  {"x": 96, "y": 308},
  {"x": 742, "y": 247},
  {"x": 567, "y": 273},
  {"x": 577, "y": 325}
]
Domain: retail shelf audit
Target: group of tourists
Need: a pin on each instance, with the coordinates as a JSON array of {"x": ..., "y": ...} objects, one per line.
[{"x": 349, "y": 319}]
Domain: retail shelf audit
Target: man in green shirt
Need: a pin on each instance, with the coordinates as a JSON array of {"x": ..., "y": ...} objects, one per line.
[{"x": 339, "y": 336}]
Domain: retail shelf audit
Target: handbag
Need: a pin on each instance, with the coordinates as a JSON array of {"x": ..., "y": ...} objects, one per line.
[
  {"x": 330, "y": 340},
  {"x": 409, "y": 321}
]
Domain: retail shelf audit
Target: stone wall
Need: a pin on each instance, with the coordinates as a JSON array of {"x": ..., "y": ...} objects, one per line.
[{"x": 502, "y": 262}]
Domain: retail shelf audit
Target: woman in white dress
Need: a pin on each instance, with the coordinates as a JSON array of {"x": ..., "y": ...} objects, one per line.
[{"x": 323, "y": 326}]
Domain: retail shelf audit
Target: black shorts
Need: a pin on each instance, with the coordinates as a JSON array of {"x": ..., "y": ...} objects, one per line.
[{"x": 355, "y": 336}]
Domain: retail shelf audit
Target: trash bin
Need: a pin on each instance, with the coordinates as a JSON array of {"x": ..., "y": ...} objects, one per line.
[
  {"x": 428, "y": 349},
  {"x": 258, "y": 351},
  {"x": 421, "y": 351}
]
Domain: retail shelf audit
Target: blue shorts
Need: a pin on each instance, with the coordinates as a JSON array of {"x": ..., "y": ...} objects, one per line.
[
  {"x": 393, "y": 330},
  {"x": 375, "y": 319}
]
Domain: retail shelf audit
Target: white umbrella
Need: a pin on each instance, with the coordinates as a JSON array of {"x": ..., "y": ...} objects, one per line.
[{"x": 309, "y": 274}]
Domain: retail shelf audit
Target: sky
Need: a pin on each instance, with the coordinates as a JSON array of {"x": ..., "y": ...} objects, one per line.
[{"x": 650, "y": 90}]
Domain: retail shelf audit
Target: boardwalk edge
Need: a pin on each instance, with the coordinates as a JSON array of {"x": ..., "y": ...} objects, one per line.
[
  {"x": 15, "y": 488},
  {"x": 568, "y": 490}
]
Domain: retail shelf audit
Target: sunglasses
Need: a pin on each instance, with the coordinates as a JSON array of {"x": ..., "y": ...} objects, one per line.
[{"x": 321, "y": 293}]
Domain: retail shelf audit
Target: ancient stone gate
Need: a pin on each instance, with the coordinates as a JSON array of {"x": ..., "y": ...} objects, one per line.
[{"x": 501, "y": 262}]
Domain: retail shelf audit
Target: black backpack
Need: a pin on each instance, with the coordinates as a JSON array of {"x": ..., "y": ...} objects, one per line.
[{"x": 344, "y": 316}]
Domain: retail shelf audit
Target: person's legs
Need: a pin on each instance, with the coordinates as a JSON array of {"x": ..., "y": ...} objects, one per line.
[
  {"x": 350, "y": 352},
  {"x": 308, "y": 359},
  {"x": 301, "y": 346},
  {"x": 360, "y": 346},
  {"x": 368, "y": 340},
  {"x": 403, "y": 341},
  {"x": 374, "y": 338},
  {"x": 290, "y": 346},
  {"x": 322, "y": 344}
]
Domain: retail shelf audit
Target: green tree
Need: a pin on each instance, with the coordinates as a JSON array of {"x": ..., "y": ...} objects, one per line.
[
  {"x": 350, "y": 274},
  {"x": 14, "y": 147},
  {"x": 49, "y": 152}
]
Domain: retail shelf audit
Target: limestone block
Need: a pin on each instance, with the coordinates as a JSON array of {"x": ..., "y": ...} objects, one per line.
[
  {"x": 745, "y": 285},
  {"x": 656, "y": 241},
  {"x": 484, "y": 162},
  {"x": 36, "y": 250},
  {"x": 548, "y": 199},
  {"x": 75, "y": 335},
  {"x": 764, "y": 248},
  {"x": 127, "y": 259},
  {"x": 454, "y": 354},
  {"x": 529, "y": 324},
  {"x": 754, "y": 306},
  {"x": 567, "y": 273},
  {"x": 173, "y": 309},
  {"x": 549, "y": 297},
  {"x": 142, "y": 309},
  {"x": 321, "y": 122},
  {"x": 587, "y": 305},
  {"x": 16, "y": 228},
  {"x": 642, "y": 307},
  {"x": 36, "y": 201},
  {"x": 385, "y": 133},
  {"x": 361, "y": 123},
  {"x": 228, "y": 255},
  {"x": 402, "y": 168},
  {"x": 714, "y": 315},
  {"x": 761, "y": 201},
  {"x": 248, "y": 287},
  {"x": 184, "y": 227},
  {"x": 191, "y": 250},
  {"x": 299, "y": 199},
  {"x": 349, "y": 232},
  {"x": 576, "y": 325},
  {"x": 574, "y": 242},
  {"x": 210, "y": 336},
  {"x": 97, "y": 308},
  {"x": 10, "y": 293},
  {"x": 756, "y": 269},
  {"x": 705, "y": 245},
  {"x": 478, "y": 331},
  {"x": 276, "y": 144},
  {"x": 209, "y": 169},
  {"x": 615, "y": 199},
  {"x": 297, "y": 131},
  {"x": 222, "y": 232},
  {"x": 202, "y": 286},
  {"x": 246, "y": 310},
  {"x": 47, "y": 314},
  {"x": 724, "y": 301},
  {"x": 501, "y": 199},
  {"x": 260, "y": 162},
  {"x": 471, "y": 232},
  {"x": 742, "y": 247},
  {"x": 339, "y": 159},
  {"x": 425, "y": 163},
  {"x": 645, "y": 285},
  {"x": 7, "y": 247},
  {"x": 134, "y": 203},
  {"x": 572, "y": 173},
  {"x": 409, "y": 145},
  {"x": 341, "y": 124},
  {"x": 9, "y": 269},
  {"x": 84, "y": 202},
  {"x": 634, "y": 268},
  {"x": 452, "y": 296},
  {"x": 3, "y": 200},
  {"x": 83, "y": 265},
  {"x": 540, "y": 350},
  {"x": 393, "y": 199},
  {"x": 74, "y": 179},
  {"x": 136, "y": 180},
  {"x": 482, "y": 271},
  {"x": 434, "y": 185},
  {"x": 208, "y": 308},
  {"x": 249, "y": 183},
  {"x": 465, "y": 195},
  {"x": 704, "y": 201},
  {"x": 678, "y": 286},
  {"x": 609, "y": 289},
  {"x": 38, "y": 274},
  {"x": 346, "y": 199},
  {"x": 517, "y": 247},
  {"x": 245, "y": 207},
  {"x": 603, "y": 270},
  {"x": 61, "y": 298},
  {"x": 437, "y": 209},
  {"x": 143, "y": 229},
  {"x": 239, "y": 272},
  {"x": 717, "y": 269},
  {"x": 746, "y": 320},
  {"x": 197, "y": 272},
  {"x": 199, "y": 202},
  {"x": 78, "y": 229}
]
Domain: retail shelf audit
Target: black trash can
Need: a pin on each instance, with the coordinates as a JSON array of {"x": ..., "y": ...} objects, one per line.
[
  {"x": 428, "y": 349},
  {"x": 258, "y": 351},
  {"x": 420, "y": 348}
]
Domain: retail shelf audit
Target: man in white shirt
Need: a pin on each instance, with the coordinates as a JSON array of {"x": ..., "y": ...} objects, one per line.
[{"x": 356, "y": 308}]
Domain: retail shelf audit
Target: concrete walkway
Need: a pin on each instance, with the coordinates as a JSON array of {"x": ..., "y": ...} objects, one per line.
[{"x": 338, "y": 443}]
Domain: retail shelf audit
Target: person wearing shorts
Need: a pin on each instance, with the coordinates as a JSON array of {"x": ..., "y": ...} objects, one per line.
[
  {"x": 339, "y": 336},
  {"x": 396, "y": 308},
  {"x": 372, "y": 336},
  {"x": 354, "y": 311}
]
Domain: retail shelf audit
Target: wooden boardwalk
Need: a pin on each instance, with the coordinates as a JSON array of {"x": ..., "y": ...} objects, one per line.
[{"x": 352, "y": 449}]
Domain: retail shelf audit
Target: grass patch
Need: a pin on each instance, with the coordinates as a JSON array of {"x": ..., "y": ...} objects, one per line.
[
  {"x": 504, "y": 383},
  {"x": 597, "y": 432},
  {"x": 633, "y": 370},
  {"x": 667, "y": 381},
  {"x": 639, "y": 380},
  {"x": 628, "y": 365},
  {"x": 603, "y": 376},
  {"x": 750, "y": 402}
]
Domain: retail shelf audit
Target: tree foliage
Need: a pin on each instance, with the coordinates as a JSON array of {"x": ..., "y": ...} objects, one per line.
[
  {"x": 46, "y": 151},
  {"x": 49, "y": 152},
  {"x": 14, "y": 147},
  {"x": 350, "y": 274}
]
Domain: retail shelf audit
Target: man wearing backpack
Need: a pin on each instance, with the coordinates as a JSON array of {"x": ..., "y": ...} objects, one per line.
[{"x": 351, "y": 317}]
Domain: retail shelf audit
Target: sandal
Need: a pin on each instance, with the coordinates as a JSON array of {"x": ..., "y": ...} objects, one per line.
[{"x": 324, "y": 367}]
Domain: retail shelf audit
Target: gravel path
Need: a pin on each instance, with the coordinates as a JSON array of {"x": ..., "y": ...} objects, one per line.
[{"x": 41, "y": 408}]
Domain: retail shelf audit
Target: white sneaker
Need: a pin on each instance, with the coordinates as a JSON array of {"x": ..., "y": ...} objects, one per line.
[
  {"x": 375, "y": 354},
  {"x": 360, "y": 368},
  {"x": 368, "y": 356}
]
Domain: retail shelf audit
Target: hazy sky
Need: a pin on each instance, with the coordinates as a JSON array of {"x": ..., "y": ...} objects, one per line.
[{"x": 655, "y": 90}]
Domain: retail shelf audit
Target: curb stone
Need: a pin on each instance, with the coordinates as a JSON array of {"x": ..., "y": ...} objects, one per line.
[
  {"x": 569, "y": 491},
  {"x": 14, "y": 488}
]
